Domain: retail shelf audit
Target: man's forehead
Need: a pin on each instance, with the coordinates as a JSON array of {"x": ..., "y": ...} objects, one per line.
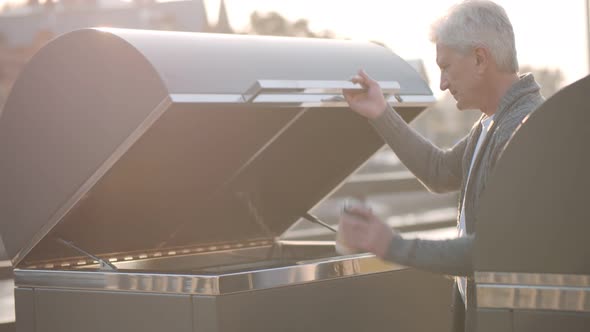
[
  {"x": 444, "y": 52},
  {"x": 442, "y": 49},
  {"x": 441, "y": 53}
]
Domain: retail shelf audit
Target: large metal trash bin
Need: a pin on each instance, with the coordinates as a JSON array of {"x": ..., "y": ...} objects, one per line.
[
  {"x": 173, "y": 162},
  {"x": 537, "y": 201}
]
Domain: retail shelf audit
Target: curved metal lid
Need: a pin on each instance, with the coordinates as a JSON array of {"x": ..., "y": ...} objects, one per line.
[
  {"x": 534, "y": 214},
  {"x": 198, "y": 63},
  {"x": 104, "y": 143}
]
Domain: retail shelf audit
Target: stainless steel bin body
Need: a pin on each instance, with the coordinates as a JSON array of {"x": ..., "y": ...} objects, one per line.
[
  {"x": 538, "y": 277},
  {"x": 149, "y": 176}
]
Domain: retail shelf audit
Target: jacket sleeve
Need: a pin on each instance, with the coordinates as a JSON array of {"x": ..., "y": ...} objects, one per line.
[
  {"x": 451, "y": 257},
  {"x": 439, "y": 170}
]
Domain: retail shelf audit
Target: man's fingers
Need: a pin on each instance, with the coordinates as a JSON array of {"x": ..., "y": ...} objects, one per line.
[
  {"x": 362, "y": 73},
  {"x": 367, "y": 80},
  {"x": 347, "y": 96},
  {"x": 350, "y": 95},
  {"x": 351, "y": 92},
  {"x": 363, "y": 79},
  {"x": 353, "y": 226},
  {"x": 353, "y": 233},
  {"x": 356, "y": 79},
  {"x": 361, "y": 211}
]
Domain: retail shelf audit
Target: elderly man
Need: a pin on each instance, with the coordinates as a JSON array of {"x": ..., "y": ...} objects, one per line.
[{"x": 477, "y": 57}]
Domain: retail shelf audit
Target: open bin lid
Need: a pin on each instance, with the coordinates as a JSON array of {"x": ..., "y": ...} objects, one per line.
[
  {"x": 537, "y": 200},
  {"x": 125, "y": 141}
]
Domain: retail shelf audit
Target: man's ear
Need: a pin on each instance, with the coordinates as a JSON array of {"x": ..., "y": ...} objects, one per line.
[{"x": 483, "y": 58}]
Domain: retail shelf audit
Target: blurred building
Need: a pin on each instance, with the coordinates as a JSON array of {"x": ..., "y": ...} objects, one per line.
[
  {"x": 222, "y": 25},
  {"x": 25, "y": 29}
]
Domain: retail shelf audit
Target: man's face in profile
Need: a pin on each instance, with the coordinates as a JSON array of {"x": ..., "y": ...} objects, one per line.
[{"x": 458, "y": 75}]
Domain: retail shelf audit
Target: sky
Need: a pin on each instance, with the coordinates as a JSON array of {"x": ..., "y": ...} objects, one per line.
[{"x": 549, "y": 34}]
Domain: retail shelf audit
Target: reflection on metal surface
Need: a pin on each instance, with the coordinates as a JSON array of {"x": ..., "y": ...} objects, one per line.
[
  {"x": 6, "y": 301},
  {"x": 540, "y": 291},
  {"x": 528, "y": 297},
  {"x": 541, "y": 279},
  {"x": 206, "y": 98},
  {"x": 298, "y": 99},
  {"x": 203, "y": 284}
]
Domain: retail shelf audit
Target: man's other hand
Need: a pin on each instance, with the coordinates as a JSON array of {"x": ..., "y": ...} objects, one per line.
[{"x": 363, "y": 231}]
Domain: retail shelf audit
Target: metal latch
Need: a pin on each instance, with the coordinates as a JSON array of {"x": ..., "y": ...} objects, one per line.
[{"x": 308, "y": 91}]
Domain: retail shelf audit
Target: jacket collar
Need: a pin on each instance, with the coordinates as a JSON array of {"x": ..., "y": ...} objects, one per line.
[{"x": 526, "y": 84}]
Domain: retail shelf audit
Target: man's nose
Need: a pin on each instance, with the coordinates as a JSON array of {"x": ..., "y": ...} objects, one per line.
[{"x": 444, "y": 84}]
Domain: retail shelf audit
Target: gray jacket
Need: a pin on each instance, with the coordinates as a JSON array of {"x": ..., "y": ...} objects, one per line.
[{"x": 446, "y": 170}]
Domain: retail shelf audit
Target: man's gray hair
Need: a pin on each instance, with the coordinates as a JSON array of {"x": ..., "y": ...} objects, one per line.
[{"x": 478, "y": 23}]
